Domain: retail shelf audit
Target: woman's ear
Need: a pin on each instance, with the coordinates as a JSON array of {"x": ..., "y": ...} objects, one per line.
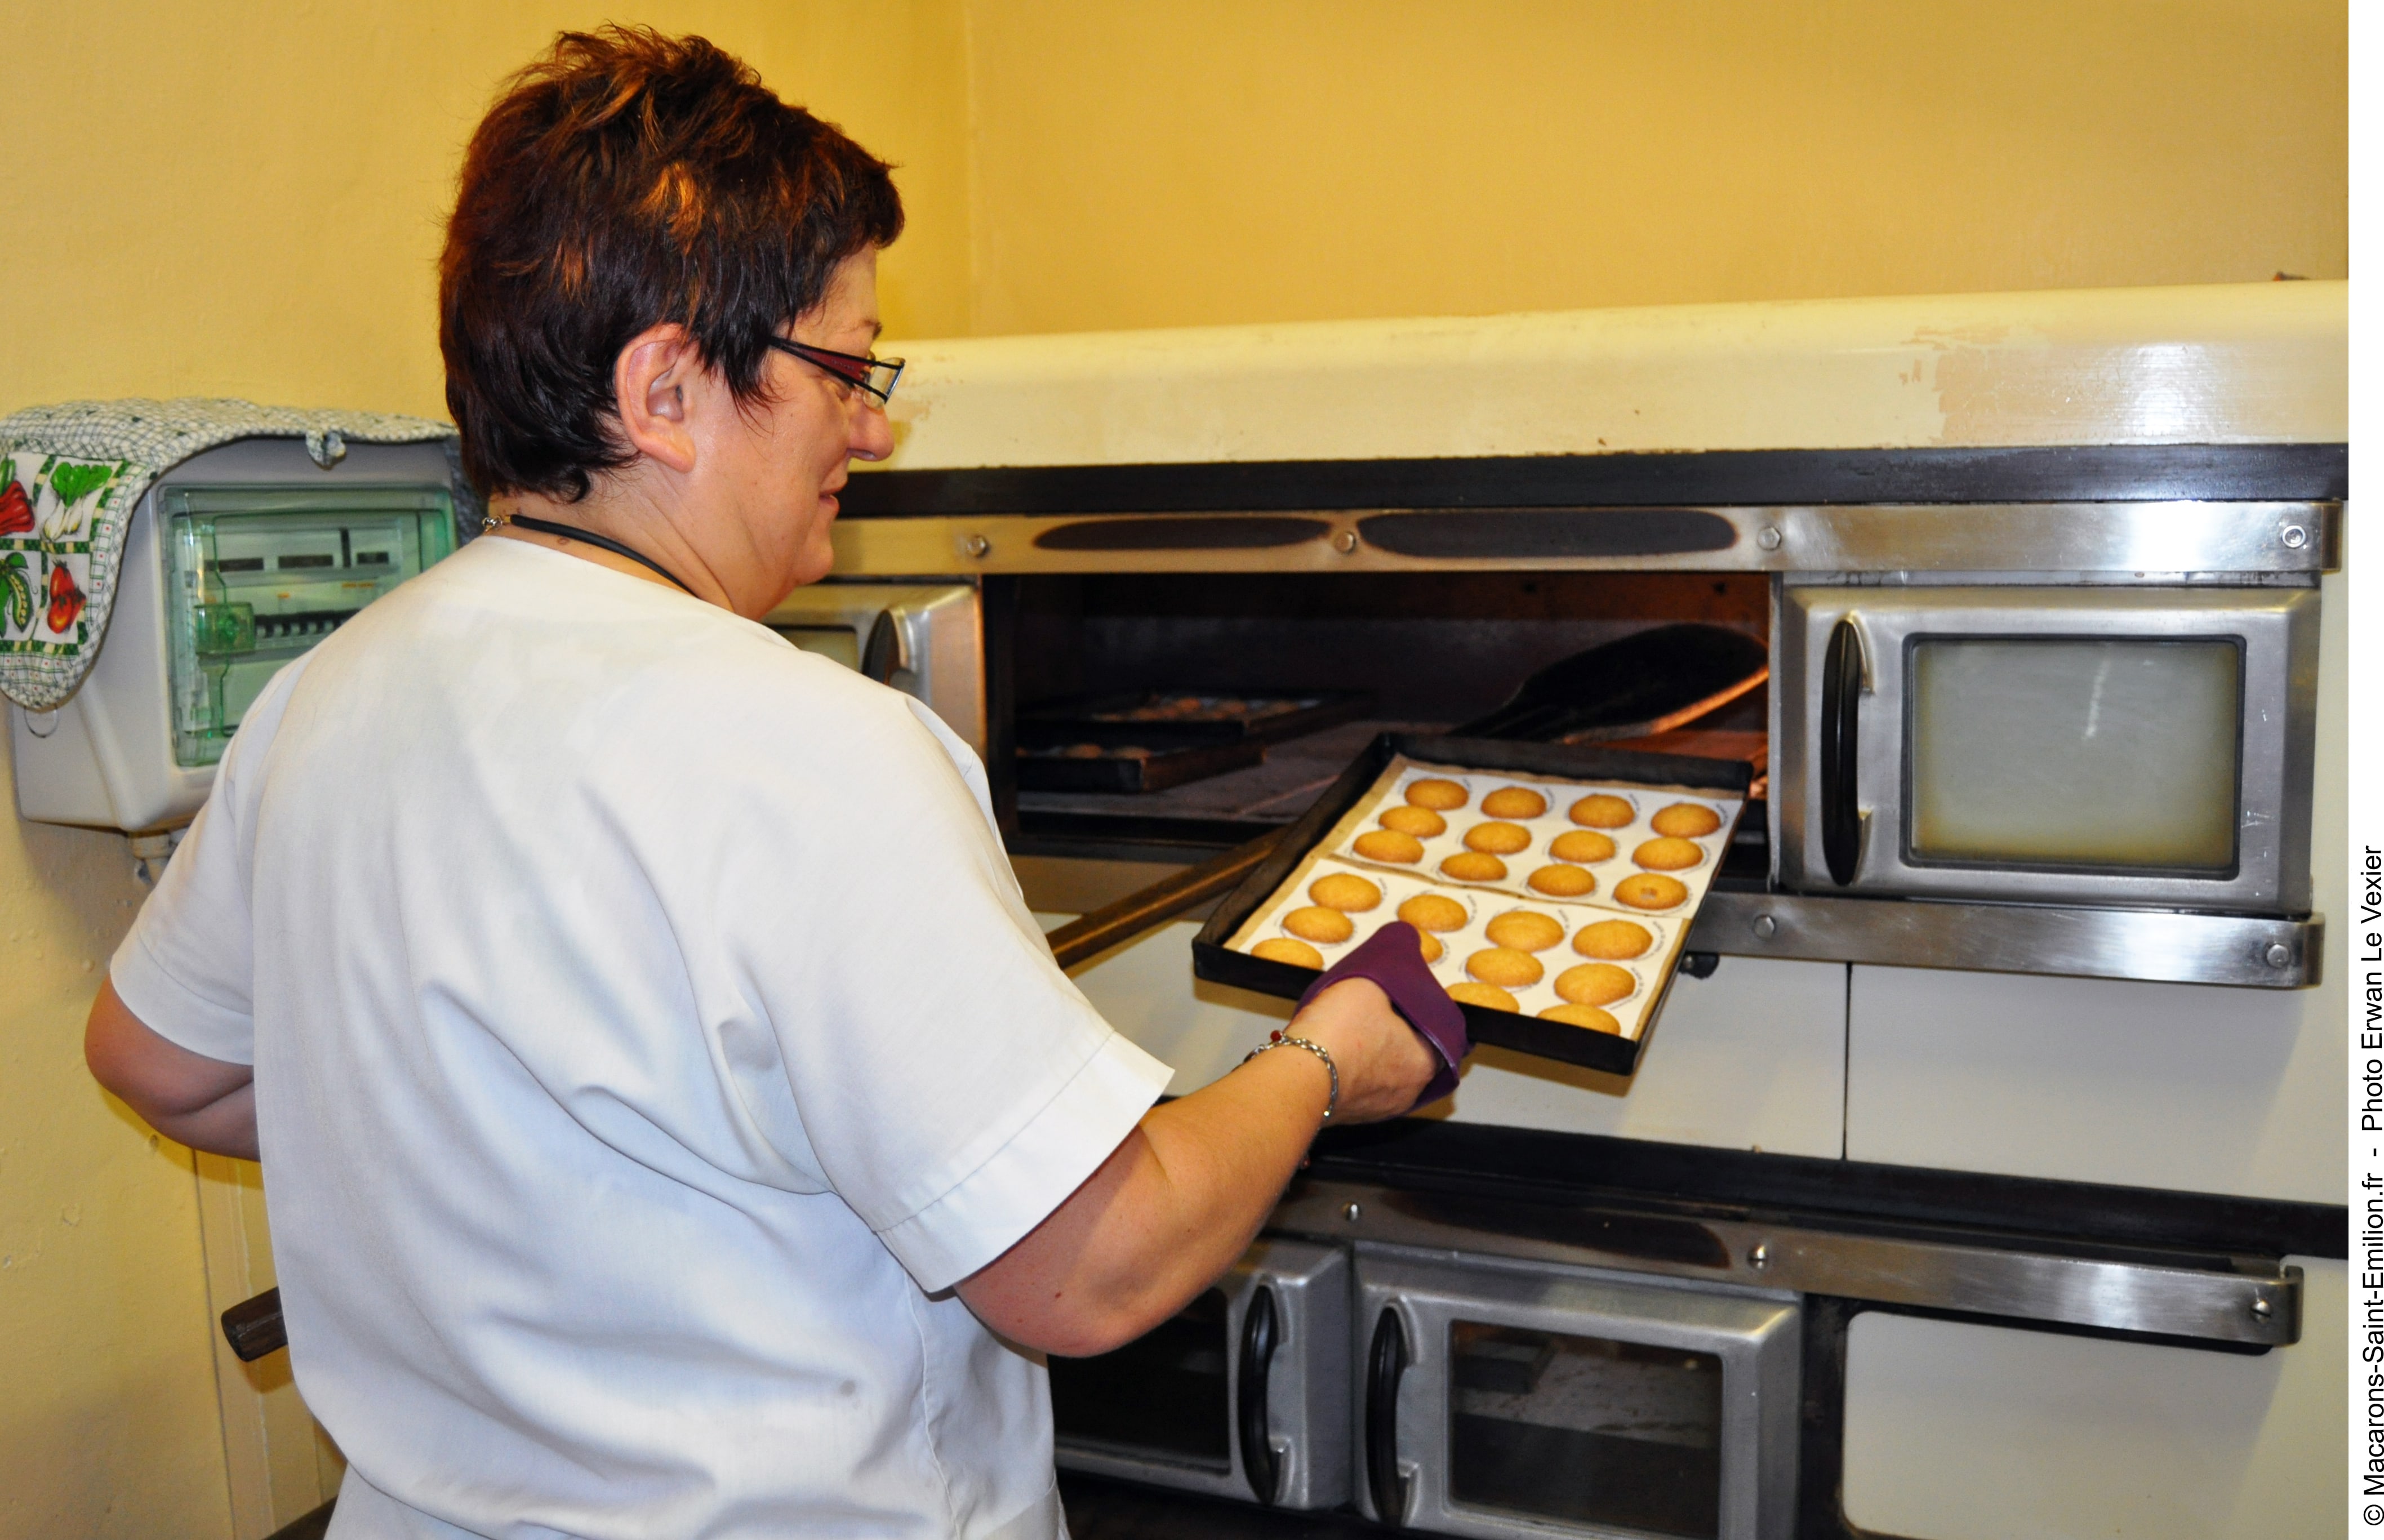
[{"x": 654, "y": 381}]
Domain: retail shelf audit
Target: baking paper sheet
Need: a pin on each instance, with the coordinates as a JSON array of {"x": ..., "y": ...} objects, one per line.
[{"x": 1487, "y": 901}]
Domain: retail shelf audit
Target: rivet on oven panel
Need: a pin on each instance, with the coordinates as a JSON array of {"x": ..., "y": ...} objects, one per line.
[
  {"x": 1765, "y": 926},
  {"x": 1767, "y": 537},
  {"x": 2277, "y": 954},
  {"x": 1353, "y": 1213},
  {"x": 1760, "y": 1258},
  {"x": 2261, "y": 1307},
  {"x": 1345, "y": 541},
  {"x": 2295, "y": 536},
  {"x": 977, "y": 546}
]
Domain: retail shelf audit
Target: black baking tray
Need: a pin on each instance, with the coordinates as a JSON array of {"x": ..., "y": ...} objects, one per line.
[
  {"x": 1058, "y": 733},
  {"x": 1171, "y": 760},
  {"x": 1572, "y": 1045},
  {"x": 1081, "y": 715}
]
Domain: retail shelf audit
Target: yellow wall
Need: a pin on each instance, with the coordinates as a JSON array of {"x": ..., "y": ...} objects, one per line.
[
  {"x": 244, "y": 199},
  {"x": 1214, "y": 161},
  {"x": 107, "y": 1397}
]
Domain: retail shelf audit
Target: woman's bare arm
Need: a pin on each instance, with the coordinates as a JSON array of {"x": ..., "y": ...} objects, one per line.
[
  {"x": 1182, "y": 1196},
  {"x": 189, "y": 1098}
]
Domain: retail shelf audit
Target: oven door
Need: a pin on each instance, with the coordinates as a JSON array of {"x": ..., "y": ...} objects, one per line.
[
  {"x": 1505, "y": 1398},
  {"x": 926, "y": 640},
  {"x": 2135, "y": 747},
  {"x": 1243, "y": 1394}
]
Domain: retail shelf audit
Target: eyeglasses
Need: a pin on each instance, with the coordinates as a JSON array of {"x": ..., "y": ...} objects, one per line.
[{"x": 875, "y": 376}]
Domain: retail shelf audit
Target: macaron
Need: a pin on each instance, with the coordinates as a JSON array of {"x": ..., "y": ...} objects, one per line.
[
  {"x": 1587, "y": 846},
  {"x": 1514, "y": 802},
  {"x": 1282, "y": 949},
  {"x": 1595, "y": 983},
  {"x": 1524, "y": 930},
  {"x": 1487, "y": 995},
  {"x": 1498, "y": 838},
  {"x": 1474, "y": 867},
  {"x": 1346, "y": 891},
  {"x": 1390, "y": 845},
  {"x": 1613, "y": 939},
  {"x": 1651, "y": 890},
  {"x": 1317, "y": 922},
  {"x": 1438, "y": 795},
  {"x": 1589, "y": 1016},
  {"x": 1420, "y": 821},
  {"x": 1669, "y": 854},
  {"x": 1562, "y": 882},
  {"x": 1504, "y": 967},
  {"x": 1435, "y": 912},
  {"x": 1686, "y": 821},
  {"x": 1600, "y": 811}
]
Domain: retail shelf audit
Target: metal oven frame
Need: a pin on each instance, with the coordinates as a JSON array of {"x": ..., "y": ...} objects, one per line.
[
  {"x": 2116, "y": 516},
  {"x": 1841, "y": 1237}
]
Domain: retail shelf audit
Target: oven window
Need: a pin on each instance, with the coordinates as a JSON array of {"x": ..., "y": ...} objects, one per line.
[
  {"x": 836, "y": 643},
  {"x": 2075, "y": 752},
  {"x": 1162, "y": 1395},
  {"x": 1585, "y": 1429}
]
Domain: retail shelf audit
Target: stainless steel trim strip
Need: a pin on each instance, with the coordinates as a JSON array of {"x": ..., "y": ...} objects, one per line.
[
  {"x": 2160, "y": 946},
  {"x": 2122, "y": 542},
  {"x": 2257, "y": 1303}
]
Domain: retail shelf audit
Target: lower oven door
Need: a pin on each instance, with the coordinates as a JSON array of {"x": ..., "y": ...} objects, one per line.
[
  {"x": 1505, "y": 1398},
  {"x": 1243, "y": 1393}
]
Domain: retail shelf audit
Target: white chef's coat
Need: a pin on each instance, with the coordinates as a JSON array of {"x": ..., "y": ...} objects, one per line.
[{"x": 648, "y": 1034}]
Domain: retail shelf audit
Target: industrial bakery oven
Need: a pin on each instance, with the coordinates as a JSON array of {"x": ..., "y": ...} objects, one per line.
[{"x": 2001, "y": 1061}]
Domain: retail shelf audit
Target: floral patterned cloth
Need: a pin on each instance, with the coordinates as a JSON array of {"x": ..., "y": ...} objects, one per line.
[{"x": 70, "y": 475}]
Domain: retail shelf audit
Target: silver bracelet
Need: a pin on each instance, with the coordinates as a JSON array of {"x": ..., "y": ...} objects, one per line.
[{"x": 1285, "y": 1039}]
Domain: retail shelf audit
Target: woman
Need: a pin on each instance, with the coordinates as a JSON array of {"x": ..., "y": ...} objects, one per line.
[{"x": 674, "y": 1122}]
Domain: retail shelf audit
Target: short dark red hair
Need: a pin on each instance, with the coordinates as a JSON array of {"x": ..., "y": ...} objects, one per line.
[{"x": 623, "y": 180}]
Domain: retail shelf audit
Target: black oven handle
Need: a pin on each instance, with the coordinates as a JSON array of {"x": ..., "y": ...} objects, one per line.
[
  {"x": 1386, "y": 1362},
  {"x": 1842, "y": 688},
  {"x": 1259, "y": 1339}
]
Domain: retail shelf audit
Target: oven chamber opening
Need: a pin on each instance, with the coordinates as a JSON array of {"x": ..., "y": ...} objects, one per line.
[{"x": 1431, "y": 651}]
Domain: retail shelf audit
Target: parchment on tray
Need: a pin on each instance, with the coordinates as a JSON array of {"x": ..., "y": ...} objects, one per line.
[{"x": 1487, "y": 901}]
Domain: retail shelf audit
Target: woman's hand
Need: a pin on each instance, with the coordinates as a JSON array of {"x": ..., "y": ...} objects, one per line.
[
  {"x": 1180, "y": 1199},
  {"x": 1383, "y": 1062}
]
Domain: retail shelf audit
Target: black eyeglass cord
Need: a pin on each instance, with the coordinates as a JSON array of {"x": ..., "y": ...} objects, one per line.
[{"x": 590, "y": 537}]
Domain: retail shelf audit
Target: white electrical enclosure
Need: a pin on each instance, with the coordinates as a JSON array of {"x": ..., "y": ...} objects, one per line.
[{"x": 235, "y": 562}]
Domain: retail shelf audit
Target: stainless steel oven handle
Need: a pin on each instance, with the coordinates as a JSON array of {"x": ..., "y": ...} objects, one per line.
[
  {"x": 1259, "y": 1340},
  {"x": 1386, "y": 1364},
  {"x": 888, "y": 650},
  {"x": 1844, "y": 679}
]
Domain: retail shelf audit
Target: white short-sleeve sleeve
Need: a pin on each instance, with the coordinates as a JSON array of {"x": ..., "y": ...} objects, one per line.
[
  {"x": 952, "y": 1085},
  {"x": 186, "y": 968}
]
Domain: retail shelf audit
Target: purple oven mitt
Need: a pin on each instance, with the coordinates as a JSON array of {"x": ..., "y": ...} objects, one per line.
[{"x": 1393, "y": 957}]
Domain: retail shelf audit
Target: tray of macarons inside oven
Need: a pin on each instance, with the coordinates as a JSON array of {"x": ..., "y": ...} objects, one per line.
[
  {"x": 1553, "y": 885},
  {"x": 1149, "y": 741}
]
